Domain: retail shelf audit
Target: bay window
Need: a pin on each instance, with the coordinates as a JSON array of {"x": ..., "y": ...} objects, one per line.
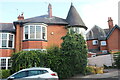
[
  {"x": 6, "y": 40},
  {"x": 35, "y": 32}
]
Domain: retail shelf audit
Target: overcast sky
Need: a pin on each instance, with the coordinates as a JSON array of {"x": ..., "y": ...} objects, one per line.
[{"x": 92, "y": 12}]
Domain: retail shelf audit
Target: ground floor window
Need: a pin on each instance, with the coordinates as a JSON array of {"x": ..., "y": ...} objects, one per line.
[
  {"x": 5, "y": 62},
  {"x": 43, "y": 50},
  {"x": 104, "y": 51}
]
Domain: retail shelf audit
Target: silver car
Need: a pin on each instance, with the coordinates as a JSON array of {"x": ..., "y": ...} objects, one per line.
[{"x": 34, "y": 74}]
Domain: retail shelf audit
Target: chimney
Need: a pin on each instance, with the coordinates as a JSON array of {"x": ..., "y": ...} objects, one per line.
[
  {"x": 50, "y": 11},
  {"x": 20, "y": 17},
  {"x": 110, "y": 23}
]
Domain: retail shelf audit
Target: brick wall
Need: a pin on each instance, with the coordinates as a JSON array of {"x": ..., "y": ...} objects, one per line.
[
  {"x": 6, "y": 52},
  {"x": 119, "y": 40},
  {"x": 90, "y": 45},
  {"x": 113, "y": 40},
  {"x": 34, "y": 44},
  {"x": 103, "y": 47},
  {"x": 55, "y": 33}
]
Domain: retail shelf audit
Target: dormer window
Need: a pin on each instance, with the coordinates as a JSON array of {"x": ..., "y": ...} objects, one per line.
[
  {"x": 33, "y": 32},
  {"x": 95, "y": 42}
]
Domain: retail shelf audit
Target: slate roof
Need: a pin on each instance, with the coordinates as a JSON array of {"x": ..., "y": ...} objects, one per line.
[
  {"x": 74, "y": 19},
  {"x": 6, "y": 27},
  {"x": 44, "y": 19},
  {"x": 97, "y": 33},
  {"x": 110, "y": 32}
]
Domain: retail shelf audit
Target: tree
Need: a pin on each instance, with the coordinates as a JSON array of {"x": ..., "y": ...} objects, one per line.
[{"x": 74, "y": 48}]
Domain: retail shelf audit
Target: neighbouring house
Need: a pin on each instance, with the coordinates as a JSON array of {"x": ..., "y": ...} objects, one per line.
[
  {"x": 103, "y": 41},
  {"x": 36, "y": 33}
]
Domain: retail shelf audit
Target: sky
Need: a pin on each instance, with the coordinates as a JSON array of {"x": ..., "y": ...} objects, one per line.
[{"x": 92, "y": 12}]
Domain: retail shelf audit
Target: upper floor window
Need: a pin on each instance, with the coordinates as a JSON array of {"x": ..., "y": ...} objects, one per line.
[
  {"x": 6, "y": 40},
  {"x": 35, "y": 32},
  {"x": 103, "y": 43},
  {"x": 95, "y": 42},
  {"x": 78, "y": 30}
]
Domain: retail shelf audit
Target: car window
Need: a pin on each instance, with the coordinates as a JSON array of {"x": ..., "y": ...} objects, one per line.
[
  {"x": 20, "y": 74},
  {"x": 36, "y": 72}
]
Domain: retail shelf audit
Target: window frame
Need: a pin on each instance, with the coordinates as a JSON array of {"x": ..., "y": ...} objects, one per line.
[
  {"x": 7, "y": 64},
  {"x": 35, "y": 32},
  {"x": 7, "y": 40},
  {"x": 104, "y": 51},
  {"x": 93, "y": 42},
  {"x": 103, "y": 44}
]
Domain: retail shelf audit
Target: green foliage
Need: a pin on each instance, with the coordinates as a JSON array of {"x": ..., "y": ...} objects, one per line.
[
  {"x": 74, "y": 48},
  {"x": 117, "y": 59},
  {"x": 58, "y": 62},
  {"x": 27, "y": 59},
  {"x": 67, "y": 61},
  {"x": 4, "y": 73},
  {"x": 89, "y": 70}
]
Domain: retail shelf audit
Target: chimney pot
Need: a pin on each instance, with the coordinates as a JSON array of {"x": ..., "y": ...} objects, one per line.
[{"x": 21, "y": 17}]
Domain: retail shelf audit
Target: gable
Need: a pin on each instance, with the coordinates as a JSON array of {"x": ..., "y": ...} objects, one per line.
[{"x": 113, "y": 30}]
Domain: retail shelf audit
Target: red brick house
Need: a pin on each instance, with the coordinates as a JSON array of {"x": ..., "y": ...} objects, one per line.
[
  {"x": 36, "y": 33},
  {"x": 102, "y": 41}
]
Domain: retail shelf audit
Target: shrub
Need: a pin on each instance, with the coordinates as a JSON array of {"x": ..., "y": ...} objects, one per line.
[
  {"x": 27, "y": 59},
  {"x": 5, "y": 73},
  {"x": 90, "y": 70},
  {"x": 117, "y": 59}
]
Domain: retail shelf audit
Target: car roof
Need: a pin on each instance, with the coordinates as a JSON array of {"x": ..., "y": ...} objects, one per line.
[{"x": 35, "y": 68}]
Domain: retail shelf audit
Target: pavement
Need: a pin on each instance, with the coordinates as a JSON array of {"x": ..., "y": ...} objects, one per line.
[{"x": 113, "y": 74}]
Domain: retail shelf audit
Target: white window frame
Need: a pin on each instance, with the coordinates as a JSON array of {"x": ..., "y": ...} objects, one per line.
[
  {"x": 7, "y": 40},
  {"x": 41, "y": 36},
  {"x": 104, "y": 51},
  {"x": 95, "y": 42},
  {"x": 33, "y": 49},
  {"x": 103, "y": 43},
  {"x": 7, "y": 64}
]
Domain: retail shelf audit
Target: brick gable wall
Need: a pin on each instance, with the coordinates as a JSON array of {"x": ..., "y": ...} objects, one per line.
[{"x": 114, "y": 41}]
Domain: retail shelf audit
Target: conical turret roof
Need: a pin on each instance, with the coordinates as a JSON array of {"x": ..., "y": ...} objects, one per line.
[{"x": 74, "y": 19}]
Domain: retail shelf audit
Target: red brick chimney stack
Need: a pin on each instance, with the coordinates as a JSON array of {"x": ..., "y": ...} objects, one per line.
[
  {"x": 110, "y": 23},
  {"x": 50, "y": 11},
  {"x": 20, "y": 17}
]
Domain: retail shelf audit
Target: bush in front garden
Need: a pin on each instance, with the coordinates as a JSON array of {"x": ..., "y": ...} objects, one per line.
[
  {"x": 117, "y": 59},
  {"x": 5, "y": 73}
]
